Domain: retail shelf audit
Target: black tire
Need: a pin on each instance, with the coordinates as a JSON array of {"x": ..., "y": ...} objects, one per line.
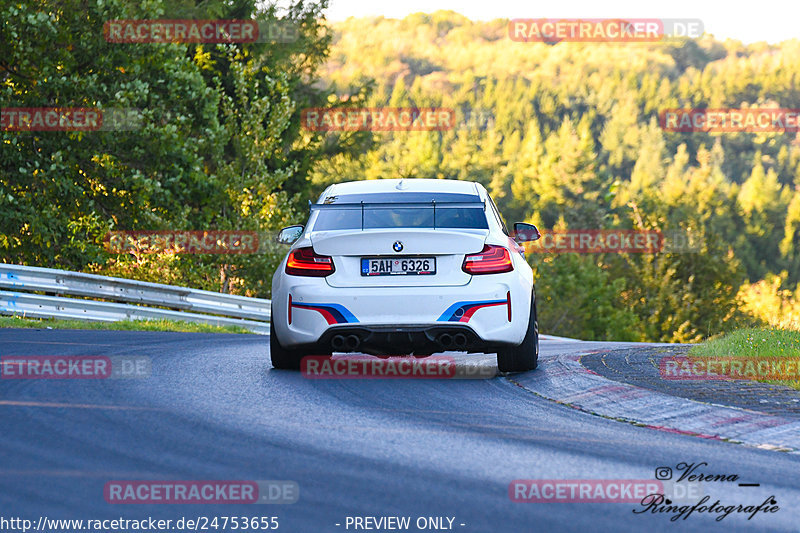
[
  {"x": 524, "y": 357},
  {"x": 282, "y": 358}
]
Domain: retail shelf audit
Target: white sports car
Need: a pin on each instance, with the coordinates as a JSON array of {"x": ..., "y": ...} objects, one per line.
[{"x": 405, "y": 266}]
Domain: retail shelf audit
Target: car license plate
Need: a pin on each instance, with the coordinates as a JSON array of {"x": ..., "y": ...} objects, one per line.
[{"x": 386, "y": 266}]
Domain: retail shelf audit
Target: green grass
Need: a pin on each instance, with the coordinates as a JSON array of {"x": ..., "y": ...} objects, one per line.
[
  {"x": 752, "y": 342},
  {"x": 756, "y": 344},
  {"x": 124, "y": 325}
]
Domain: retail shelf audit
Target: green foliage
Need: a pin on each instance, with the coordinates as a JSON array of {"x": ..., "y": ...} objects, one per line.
[
  {"x": 577, "y": 298},
  {"x": 60, "y": 190},
  {"x": 219, "y": 144},
  {"x": 771, "y": 304}
]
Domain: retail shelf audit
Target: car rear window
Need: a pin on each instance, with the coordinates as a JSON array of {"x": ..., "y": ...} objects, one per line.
[{"x": 402, "y": 216}]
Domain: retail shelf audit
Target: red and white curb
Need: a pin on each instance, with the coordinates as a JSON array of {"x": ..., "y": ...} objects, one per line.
[{"x": 564, "y": 380}]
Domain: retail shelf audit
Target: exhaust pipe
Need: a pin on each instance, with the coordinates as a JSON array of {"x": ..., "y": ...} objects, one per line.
[
  {"x": 460, "y": 340},
  {"x": 353, "y": 342},
  {"x": 445, "y": 340},
  {"x": 337, "y": 342}
]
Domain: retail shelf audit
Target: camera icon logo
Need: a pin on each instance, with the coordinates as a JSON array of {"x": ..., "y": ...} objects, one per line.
[{"x": 663, "y": 473}]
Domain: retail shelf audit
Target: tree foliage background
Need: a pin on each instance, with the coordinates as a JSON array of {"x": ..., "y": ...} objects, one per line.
[
  {"x": 219, "y": 145},
  {"x": 564, "y": 135}
]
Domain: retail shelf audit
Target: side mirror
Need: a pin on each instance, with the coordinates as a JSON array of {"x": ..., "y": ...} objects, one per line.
[
  {"x": 289, "y": 234},
  {"x": 524, "y": 232}
]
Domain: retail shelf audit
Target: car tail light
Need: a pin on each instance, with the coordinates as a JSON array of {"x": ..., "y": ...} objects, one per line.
[
  {"x": 306, "y": 262},
  {"x": 492, "y": 260}
]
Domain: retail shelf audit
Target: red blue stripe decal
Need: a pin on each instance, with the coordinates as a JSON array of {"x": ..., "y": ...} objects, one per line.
[
  {"x": 463, "y": 311},
  {"x": 333, "y": 313}
]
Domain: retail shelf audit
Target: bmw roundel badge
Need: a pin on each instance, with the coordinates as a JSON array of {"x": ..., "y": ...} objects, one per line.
[{"x": 397, "y": 246}]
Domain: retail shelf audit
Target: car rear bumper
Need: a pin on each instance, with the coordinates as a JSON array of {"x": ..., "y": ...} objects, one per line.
[
  {"x": 487, "y": 313},
  {"x": 421, "y": 339}
]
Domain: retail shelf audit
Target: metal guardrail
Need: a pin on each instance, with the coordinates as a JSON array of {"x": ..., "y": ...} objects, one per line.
[{"x": 187, "y": 305}]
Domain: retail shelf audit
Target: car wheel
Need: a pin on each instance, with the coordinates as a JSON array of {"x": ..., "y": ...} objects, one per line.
[
  {"x": 524, "y": 357},
  {"x": 282, "y": 358}
]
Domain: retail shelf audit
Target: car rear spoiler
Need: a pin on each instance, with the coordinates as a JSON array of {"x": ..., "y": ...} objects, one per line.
[{"x": 394, "y": 205}]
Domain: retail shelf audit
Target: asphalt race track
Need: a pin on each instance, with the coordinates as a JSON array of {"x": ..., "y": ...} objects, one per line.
[{"x": 213, "y": 409}]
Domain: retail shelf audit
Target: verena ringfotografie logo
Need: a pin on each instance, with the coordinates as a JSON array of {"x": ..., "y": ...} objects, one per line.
[
  {"x": 627, "y": 30},
  {"x": 201, "y": 492},
  {"x": 403, "y": 367},
  {"x": 182, "y": 242},
  {"x": 68, "y": 119},
  {"x": 730, "y": 120},
  {"x": 378, "y": 119},
  {"x": 199, "y": 31},
  {"x": 677, "y": 498},
  {"x": 674, "y": 368},
  {"x": 74, "y": 367},
  {"x": 693, "y": 474}
]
